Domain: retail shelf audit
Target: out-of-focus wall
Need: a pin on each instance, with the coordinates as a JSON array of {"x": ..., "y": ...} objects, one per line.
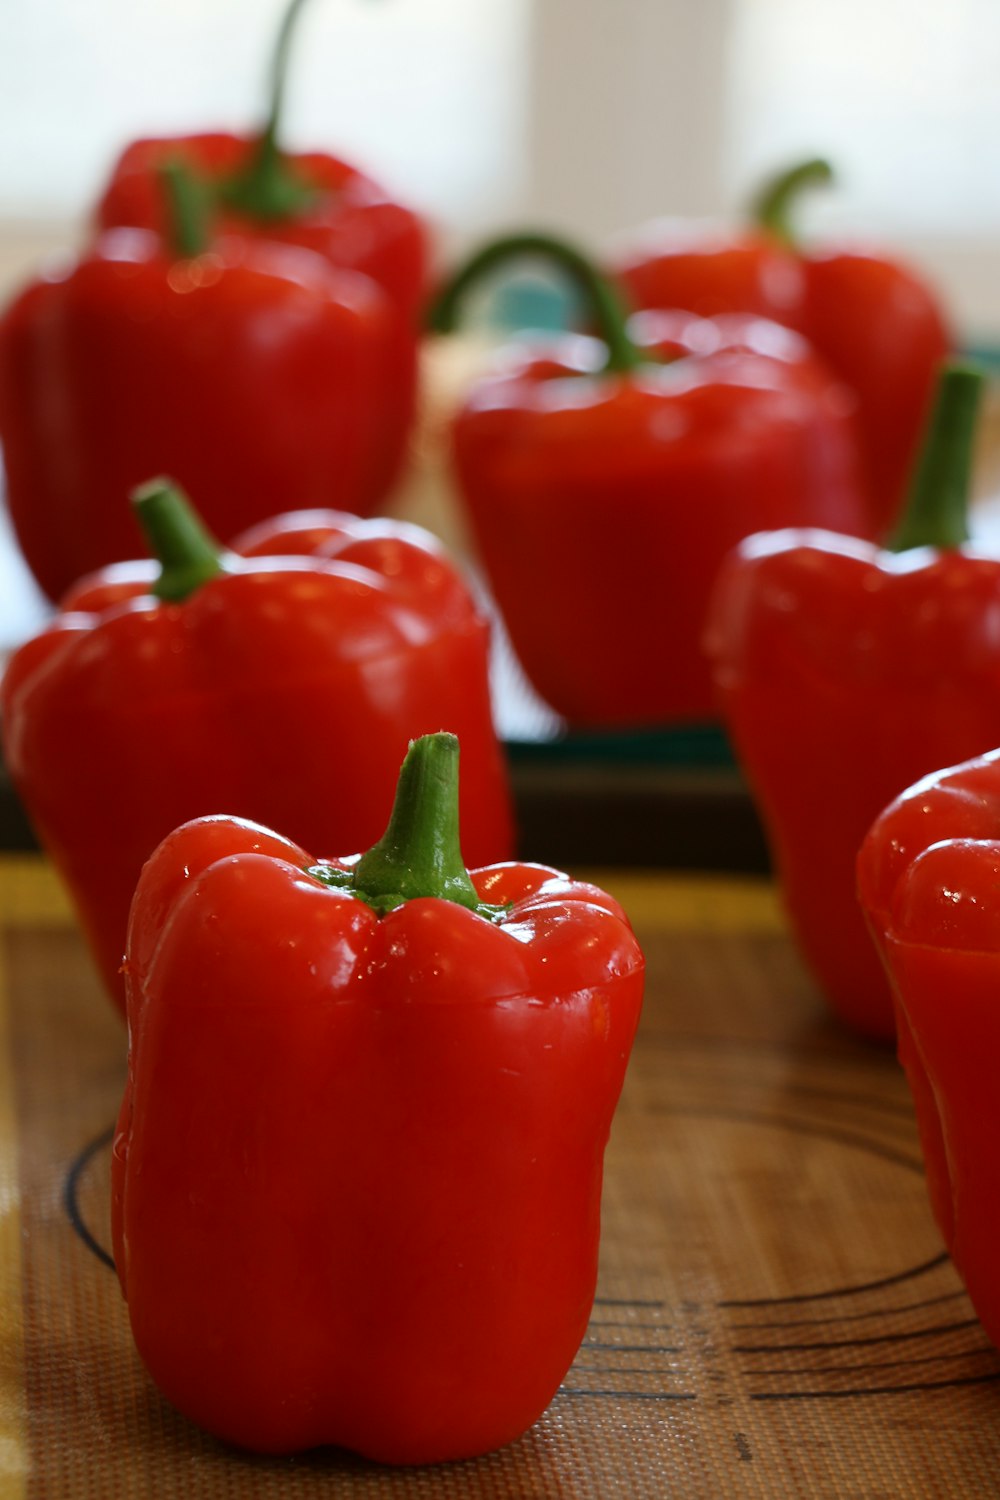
[{"x": 583, "y": 115}]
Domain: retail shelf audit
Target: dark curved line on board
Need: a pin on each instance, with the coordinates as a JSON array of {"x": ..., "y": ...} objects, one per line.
[
  {"x": 843, "y": 1291},
  {"x": 879, "y": 1338},
  {"x": 578, "y": 1390},
  {"x": 878, "y": 1364},
  {"x": 634, "y": 1326},
  {"x": 627, "y": 1302},
  {"x": 912, "y": 1162},
  {"x": 71, "y": 1203},
  {"x": 874, "y": 1312},
  {"x": 875, "y": 1390}
]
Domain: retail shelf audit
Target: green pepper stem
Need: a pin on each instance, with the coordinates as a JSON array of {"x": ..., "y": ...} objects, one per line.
[
  {"x": 936, "y": 513},
  {"x": 603, "y": 306},
  {"x": 270, "y": 187},
  {"x": 279, "y": 77},
  {"x": 187, "y": 552},
  {"x": 187, "y": 210},
  {"x": 419, "y": 854},
  {"x": 771, "y": 209}
]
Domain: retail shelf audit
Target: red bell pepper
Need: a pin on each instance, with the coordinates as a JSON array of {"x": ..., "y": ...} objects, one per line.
[
  {"x": 845, "y": 672},
  {"x": 878, "y": 323},
  {"x": 249, "y": 370},
  {"x": 605, "y": 483},
  {"x": 167, "y": 690},
  {"x": 311, "y": 199},
  {"x": 929, "y": 882},
  {"x": 357, "y": 1175}
]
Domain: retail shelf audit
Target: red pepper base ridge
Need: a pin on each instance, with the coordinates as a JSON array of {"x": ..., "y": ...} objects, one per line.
[
  {"x": 881, "y": 328},
  {"x": 929, "y": 883},
  {"x": 358, "y": 1171},
  {"x": 874, "y": 321},
  {"x": 949, "y": 998},
  {"x": 944, "y": 922},
  {"x": 845, "y": 673},
  {"x": 603, "y": 506},
  {"x": 353, "y": 222},
  {"x": 286, "y": 691},
  {"x": 812, "y": 844},
  {"x": 957, "y": 804},
  {"x": 672, "y": 263},
  {"x": 928, "y": 1116},
  {"x": 253, "y": 374}
]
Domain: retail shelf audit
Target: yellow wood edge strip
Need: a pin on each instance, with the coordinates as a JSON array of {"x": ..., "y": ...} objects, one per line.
[
  {"x": 31, "y": 894},
  {"x": 694, "y": 902},
  {"x": 15, "y": 1453}
]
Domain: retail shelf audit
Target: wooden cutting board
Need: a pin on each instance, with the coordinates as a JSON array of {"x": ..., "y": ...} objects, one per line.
[{"x": 774, "y": 1317}]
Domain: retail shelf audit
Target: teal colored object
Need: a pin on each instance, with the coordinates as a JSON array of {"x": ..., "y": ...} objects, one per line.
[
  {"x": 701, "y": 745},
  {"x": 535, "y": 305}
]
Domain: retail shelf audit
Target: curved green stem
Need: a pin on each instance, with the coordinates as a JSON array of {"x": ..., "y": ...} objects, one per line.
[
  {"x": 279, "y": 76},
  {"x": 187, "y": 552},
  {"x": 603, "y": 306},
  {"x": 187, "y": 210},
  {"x": 419, "y": 854},
  {"x": 772, "y": 207},
  {"x": 270, "y": 187},
  {"x": 937, "y": 509}
]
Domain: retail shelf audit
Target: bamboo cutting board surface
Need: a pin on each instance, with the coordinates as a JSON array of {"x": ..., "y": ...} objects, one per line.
[{"x": 774, "y": 1315}]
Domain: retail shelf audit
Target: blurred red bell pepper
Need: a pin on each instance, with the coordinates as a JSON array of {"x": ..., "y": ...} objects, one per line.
[
  {"x": 357, "y": 1178},
  {"x": 249, "y": 370},
  {"x": 606, "y": 481},
  {"x": 929, "y": 882},
  {"x": 845, "y": 672},
  {"x": 283, "y": 685},
  {"x": 312, "y": 199},
  {"x": 878, "y": 324}
]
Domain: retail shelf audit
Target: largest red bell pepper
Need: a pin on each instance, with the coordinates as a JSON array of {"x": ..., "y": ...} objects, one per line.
[
  {"x": 357, "y": 1176},
  {"x": 877, "y": 322},
  {"x": 309, "y": 198},
  {"x": 249, "y": 370},
  {"x": 607, "y": 480},
  {"x": 929, "y": 882},
  {"x": 845, "y": 672},
  {"x": 283, "y": 685}
]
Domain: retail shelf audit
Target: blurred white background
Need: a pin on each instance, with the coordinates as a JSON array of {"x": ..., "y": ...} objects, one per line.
[{"x": 587, "y": 115}]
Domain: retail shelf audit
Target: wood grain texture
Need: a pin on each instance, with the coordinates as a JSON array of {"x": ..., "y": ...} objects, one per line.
[{"x": 775, "y": 1316}]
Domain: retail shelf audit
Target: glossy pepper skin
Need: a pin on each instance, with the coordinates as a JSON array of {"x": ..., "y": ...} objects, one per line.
[
  {"x": 248, "y": 370},
  {"x": 878, "y": 323},
  {"x": 845, "y": 672},
  {"x": 357, "y": 1176},
  {"x": 284, "y": 684},
  {"x": 312, "y": 199},
  {"x": 605, "y": 483},
  {"x": 928, "y": 880}
]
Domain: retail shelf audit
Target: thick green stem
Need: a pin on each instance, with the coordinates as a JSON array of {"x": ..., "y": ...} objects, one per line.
[
  {"x": 772, "y": 208},
  {"x": 279, "y": 77},
  {"x": 270, "y": 187},
  {"x": 937, "y": 510},
  {"x": 603, "y": 307},
  {"x": 419, "y": 854},
  {"x": 187, "y": 552},
  {"x": 187, "y": 210}
]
